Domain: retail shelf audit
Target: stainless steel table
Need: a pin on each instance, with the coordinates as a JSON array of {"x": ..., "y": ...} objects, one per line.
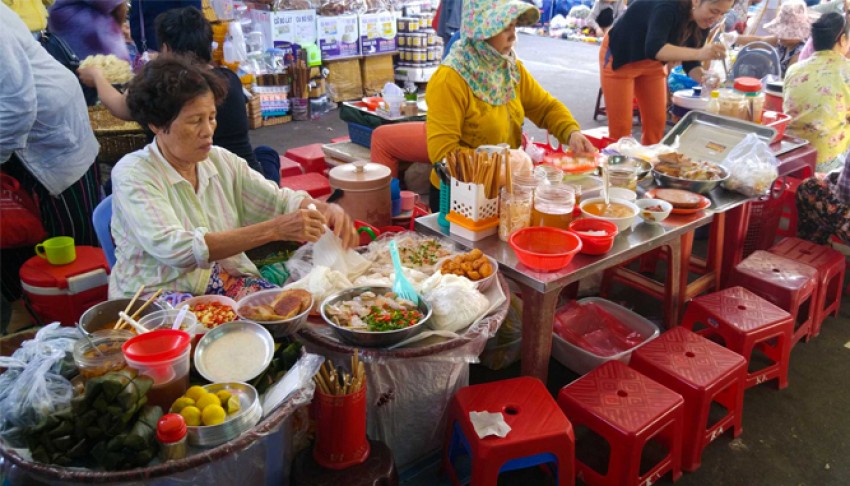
[{"x": 540, "y": 290}]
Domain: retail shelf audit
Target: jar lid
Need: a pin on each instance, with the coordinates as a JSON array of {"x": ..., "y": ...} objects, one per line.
[
  {"x": 157, "y": 346},
  {"x": 747, "y": 85},
  {"x": 170, "y": 428},
  {"x": 360, "y": 176}
]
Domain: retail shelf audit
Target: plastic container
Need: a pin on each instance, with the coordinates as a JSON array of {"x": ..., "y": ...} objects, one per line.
[
  {"x": 545, "y": 249},
  {"x": 591, "y": 244},
  {"x": 777, "y": 120},
  {"x": 111, "y": 357},
  {"x": 361, "y": 135},
  {"x": 341, "y": 429},
  {"x": 714, "y": 103},
  {"x": 171, "y": 434},
  {"x": 445, "y": 205},
  {"x": 366, "y": 191},
  {"x": 514, "y": 211},
  {"x": 548, "y": 174},
  {"x": 733, "y": 104},
  {"x": 754, "y": 97},
  {"x": 162, "y": 355},
  {"x": 582, "y": 361}
]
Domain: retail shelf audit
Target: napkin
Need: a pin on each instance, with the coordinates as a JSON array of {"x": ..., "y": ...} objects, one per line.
[{"x": 486, "y": 423}]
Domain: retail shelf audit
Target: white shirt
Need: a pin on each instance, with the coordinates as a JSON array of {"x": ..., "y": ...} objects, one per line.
[{"x": 43, "y": 115}]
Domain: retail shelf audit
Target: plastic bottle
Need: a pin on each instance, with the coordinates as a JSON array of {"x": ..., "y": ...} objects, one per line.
[
  {"x": 171, "y": 434},
  {"x": 714, "y": 103}
]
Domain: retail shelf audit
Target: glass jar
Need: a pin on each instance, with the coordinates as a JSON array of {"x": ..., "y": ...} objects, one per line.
[
  {"x": 524, "y": 181},
  {"x": 514, "y": 211},
  {"x": 733, "y": 104},
  {"x": 623, "y": 176},
  {"x": 547, "y": 174},
  {"x": 753, "y": 94},
  {"x": 553, "y": 206}
]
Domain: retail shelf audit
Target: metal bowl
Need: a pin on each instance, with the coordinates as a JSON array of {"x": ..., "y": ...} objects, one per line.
[
  {"x": 368, "y": 338},
  {"x": 480, "y": 285},
  {"x": 280, "y": 328},
  {"x": 699, "y": 187},
  {"x": 265, "y": 353},
  {"x": 105, "y": 314},
  {"x": 642, "y": 167},
  {"x": 250, "y": 413}
]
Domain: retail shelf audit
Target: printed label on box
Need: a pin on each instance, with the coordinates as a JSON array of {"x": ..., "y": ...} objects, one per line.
[
  {"x": 297, "y": 26},
  {"x": 377, "y": 33},
  {"x": 338, "y": 36}
]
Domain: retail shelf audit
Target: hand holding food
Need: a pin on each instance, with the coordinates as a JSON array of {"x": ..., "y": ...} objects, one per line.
[
  {"x": 342, "y": 225},
  {"x": 579, "y": 144},
  {"x": 115, "y": 70}
]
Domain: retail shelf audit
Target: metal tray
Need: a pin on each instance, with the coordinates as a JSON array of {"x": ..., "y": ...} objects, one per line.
[
  {"x": 709, "y": 137},
  {"x": 234, "y": 327}
]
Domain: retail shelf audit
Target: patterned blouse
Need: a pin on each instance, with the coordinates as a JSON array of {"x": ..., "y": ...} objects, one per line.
[{"x": 817, "y": 96}]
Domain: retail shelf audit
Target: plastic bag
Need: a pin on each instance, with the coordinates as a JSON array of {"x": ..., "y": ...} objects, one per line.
[
  {"x": 536, "y": 153},
  {"x": 752, "y": 167},
  {"x": 33, "y": 386},
  {"x": 629, "y": 147},
  {"x": 455, "y": 303}
]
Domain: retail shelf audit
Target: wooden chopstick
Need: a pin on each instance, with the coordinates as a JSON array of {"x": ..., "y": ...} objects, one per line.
[{"x": 120, "y": 322}]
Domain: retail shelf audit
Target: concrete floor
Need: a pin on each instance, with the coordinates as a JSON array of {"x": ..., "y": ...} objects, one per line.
[{"x": 798, "y": 436}]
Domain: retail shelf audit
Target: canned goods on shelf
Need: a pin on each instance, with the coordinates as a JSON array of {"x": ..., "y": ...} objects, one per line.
[
  {"x": 431, "y": 38},
  {"x": 401, "y": 40},
  {"x": 420, "y": 57},
  {"x": 417, "y": 40}
]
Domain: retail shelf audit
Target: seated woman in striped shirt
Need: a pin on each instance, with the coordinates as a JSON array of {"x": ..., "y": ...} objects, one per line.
[{"x": 185, "y": 211}]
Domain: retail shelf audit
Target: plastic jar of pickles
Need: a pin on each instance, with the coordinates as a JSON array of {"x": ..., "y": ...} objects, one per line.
[
  {"x": 553, "y": 205},
  {"x": 514, "y": 211},
  {"x": 751, "y": 89},
  {"x": 101, "y": 353}
]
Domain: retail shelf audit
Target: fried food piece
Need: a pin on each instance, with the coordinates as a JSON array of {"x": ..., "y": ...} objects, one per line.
[{"x": 678, "y": 198}]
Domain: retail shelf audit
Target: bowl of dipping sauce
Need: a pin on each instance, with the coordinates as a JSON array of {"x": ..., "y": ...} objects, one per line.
[
  {"x": 654, "y": 211},
  {"x": 618, "y": 211},
  {"x": 597, "y": 235},
  {"x": 234, "y": 352}
]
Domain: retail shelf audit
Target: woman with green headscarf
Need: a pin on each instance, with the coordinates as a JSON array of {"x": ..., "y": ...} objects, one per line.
[{"x": 482, "y": 93}]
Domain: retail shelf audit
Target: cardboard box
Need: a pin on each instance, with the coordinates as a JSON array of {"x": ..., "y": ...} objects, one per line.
[
  {"x": 344, "y": 82},
  {"x": 376, "y": 71},
  {"x": 295, "y": 26},
  {"x": 339, "y": 36},
  {"x": 377, "y": 33}
]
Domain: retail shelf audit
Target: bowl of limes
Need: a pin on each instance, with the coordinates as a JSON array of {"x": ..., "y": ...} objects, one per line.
[{"x": 218, "y": 413}]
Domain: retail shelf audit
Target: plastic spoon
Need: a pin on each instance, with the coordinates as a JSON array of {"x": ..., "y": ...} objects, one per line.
[
  {"x": 402, "y": 287},
  {"x": 605, "y": 194},
  {"x": 129, "y": 320},
  {"x": 180, "y": 315}
]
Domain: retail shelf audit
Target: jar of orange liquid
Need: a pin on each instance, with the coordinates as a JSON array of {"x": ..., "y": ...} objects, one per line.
[{"x": 553, "y": 205}]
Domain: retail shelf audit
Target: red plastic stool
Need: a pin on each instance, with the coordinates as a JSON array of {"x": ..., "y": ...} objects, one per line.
[
  {"x": 628, "y": 410},
  {"x": 745, "y": 321},
  {"x": 830, "y": 265},
  {"x": 289, "y": 167},
  {"x": 540, "y": 434},
  {"x": 788, "y": 284},
  {"x": 311, "y": 157},
  {"x": 703, "y": 372},
  {"x": 789, "y": 207},
  {"x": 315, "y": 184}
]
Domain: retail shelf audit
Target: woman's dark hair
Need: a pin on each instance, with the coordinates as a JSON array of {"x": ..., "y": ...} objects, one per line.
[
  {"x": 689, "y": 32},
  {"x": 185, "y": 31},
  {"x": 827, "y": 30},
  {"x": 158, "y": 93},
  {"x": 605, "y": 18}
]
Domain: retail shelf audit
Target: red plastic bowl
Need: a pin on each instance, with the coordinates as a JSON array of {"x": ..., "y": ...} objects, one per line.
[
  {"x": 372, "y": 102},
  {"x": 545, "y": 249},
  {"x": 594, "y": 245}
]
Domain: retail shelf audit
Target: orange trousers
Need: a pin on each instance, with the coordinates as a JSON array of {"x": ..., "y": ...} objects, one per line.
[
  {"x": 645, "y": 81},
  {"x": 400, "y": 142}
]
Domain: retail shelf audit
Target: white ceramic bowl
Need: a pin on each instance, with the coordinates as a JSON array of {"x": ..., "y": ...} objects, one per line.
[
  {"x": 653, "y": 217},
  {"x": 206, "y": 299},
  {"x": 624, "y": 223},
  {"x": 622, "y": 193}
]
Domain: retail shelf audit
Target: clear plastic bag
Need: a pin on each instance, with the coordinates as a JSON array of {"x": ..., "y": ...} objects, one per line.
[
  {"x": 33, "y": 386},
  {"x": 752, "y": 167}
]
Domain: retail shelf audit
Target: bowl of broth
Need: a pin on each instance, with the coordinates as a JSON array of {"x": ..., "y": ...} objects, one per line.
[{"x": 618, "y": 211}]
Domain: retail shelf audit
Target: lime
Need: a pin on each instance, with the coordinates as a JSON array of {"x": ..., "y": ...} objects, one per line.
[
  {"x": 192, "y": 416},
  {"x": 181, "y": 403},
  {"x": 223, "y": 396},
  {"x": 233, "y": 405},
  {"x": 207, "y": 400},
  {"x": 213, "y": 415},
  {"x": 195, "y": 392}
]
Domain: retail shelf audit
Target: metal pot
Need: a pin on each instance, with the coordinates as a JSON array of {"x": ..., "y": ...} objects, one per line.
[
  {"x": 105, "y": 314},
  {"x": 365, "y": 190}
]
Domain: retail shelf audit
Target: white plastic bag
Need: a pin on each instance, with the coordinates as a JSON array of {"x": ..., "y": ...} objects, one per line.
[{"x": 751, "y": 166}]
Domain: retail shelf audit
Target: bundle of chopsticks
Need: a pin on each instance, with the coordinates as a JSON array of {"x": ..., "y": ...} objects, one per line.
[
  {"x": 471, "y": 167},
  {"x": 121, "y": 323},
  {"x": 300, "y": 79},
  {"x": 335, "y": 381}
]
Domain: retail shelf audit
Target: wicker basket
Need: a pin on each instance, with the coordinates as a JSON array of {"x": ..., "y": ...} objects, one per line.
[{"x": 116, "y": 137}]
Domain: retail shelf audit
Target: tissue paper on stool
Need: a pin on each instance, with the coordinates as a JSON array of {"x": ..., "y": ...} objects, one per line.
[{"x": 486, "y": 423}]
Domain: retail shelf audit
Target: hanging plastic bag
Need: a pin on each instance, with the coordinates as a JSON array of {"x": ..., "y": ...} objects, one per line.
[{"x": 751, "y": 166}]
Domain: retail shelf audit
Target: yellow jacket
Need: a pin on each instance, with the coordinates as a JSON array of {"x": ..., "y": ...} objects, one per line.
[
  {"x": 32, "y": 12},
  {"x": 456, "y": 118}
]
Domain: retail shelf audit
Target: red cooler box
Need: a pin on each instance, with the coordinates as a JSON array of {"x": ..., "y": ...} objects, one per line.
[{"x": 63, "y": 292}]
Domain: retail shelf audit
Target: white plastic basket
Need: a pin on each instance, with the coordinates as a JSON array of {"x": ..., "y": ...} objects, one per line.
[{"x": 469, "y": 200}]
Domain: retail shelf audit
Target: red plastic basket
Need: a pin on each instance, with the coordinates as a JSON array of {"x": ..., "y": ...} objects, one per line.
[{"x": 765, "y": 213}]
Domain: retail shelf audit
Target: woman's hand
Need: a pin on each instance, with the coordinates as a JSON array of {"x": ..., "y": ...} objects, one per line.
[
  {"x": 712, "y": 51},
  {"x": 301, "y": 225},
  {"x": 579, "y": 144},
  {"x": 342, "y": 225},
  {"x": 90, "y": 76}
]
